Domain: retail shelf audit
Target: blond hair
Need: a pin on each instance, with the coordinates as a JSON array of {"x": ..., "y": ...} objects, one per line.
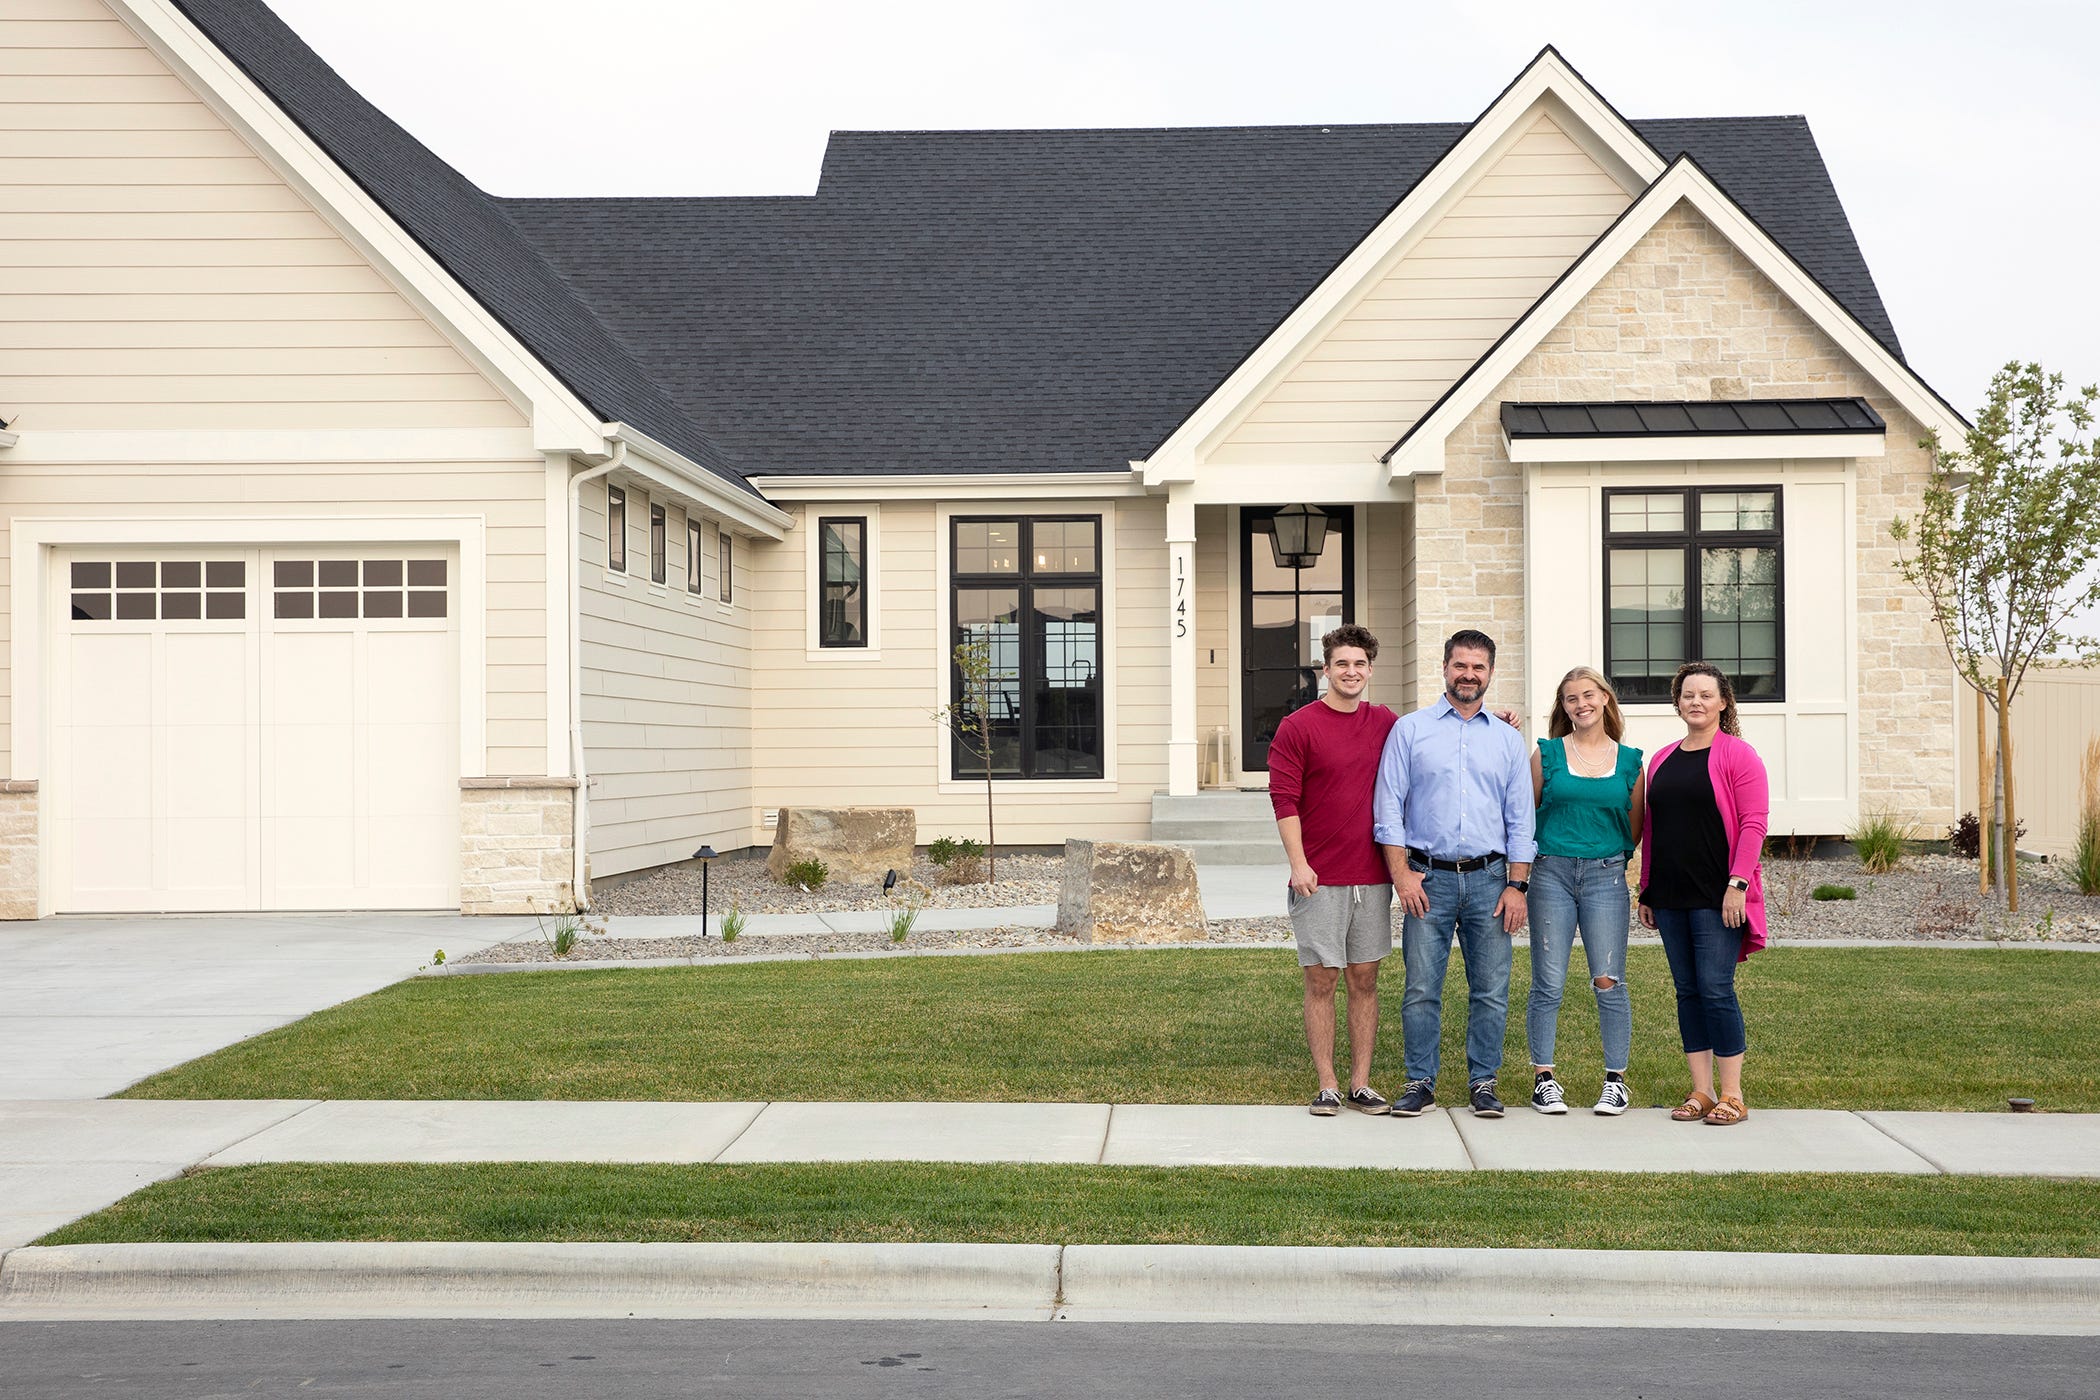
[{"x": 1559, "y": 726}]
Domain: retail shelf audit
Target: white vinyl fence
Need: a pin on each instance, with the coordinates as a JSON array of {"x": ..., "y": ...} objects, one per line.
[{"x": 2056, "y": 712}]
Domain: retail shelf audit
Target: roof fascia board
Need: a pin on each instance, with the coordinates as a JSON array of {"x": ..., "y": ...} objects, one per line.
[
  {"x": 951, "y": 486},
  {"x": 671, "y": 469},
  {"x": 1549, "y": 81},
  {"x": 1748, "y": 447},
  {"x": 561, "y": 421},
  {"x": 1422, "y": 449}
]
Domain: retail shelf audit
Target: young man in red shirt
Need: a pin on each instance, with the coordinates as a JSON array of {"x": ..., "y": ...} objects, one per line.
[{"x": 1323, "y": 768}]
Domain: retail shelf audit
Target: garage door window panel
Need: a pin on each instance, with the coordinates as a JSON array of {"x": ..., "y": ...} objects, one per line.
[{"x": 166, "y": 590}]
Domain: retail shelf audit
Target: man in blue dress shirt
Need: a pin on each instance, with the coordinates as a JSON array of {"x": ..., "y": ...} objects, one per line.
[{"x": 1453, "y": 814}]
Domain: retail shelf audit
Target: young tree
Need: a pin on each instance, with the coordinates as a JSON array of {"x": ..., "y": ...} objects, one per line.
[
  {"x": 2005, "y": 546},
  {"x": 969, "y": 719}
]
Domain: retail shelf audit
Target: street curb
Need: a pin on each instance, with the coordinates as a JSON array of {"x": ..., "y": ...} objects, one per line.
[{"x": 1090, "y": 1283}]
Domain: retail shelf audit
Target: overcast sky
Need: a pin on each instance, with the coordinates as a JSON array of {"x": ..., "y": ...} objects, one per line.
[{"x": 1963, "y": 138}]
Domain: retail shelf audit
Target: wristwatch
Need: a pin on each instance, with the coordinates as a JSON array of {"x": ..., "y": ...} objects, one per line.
[
  {"x": 1520, "y": 886},
  {"x": 1737, "y": 882}
]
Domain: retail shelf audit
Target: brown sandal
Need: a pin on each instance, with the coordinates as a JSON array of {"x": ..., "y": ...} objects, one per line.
[
  {"x": 1729, "y": 1110},
  {"x": 1695, "y": 1107}
]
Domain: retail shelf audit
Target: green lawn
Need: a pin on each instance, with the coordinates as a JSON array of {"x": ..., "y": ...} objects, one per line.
[
  {"x": 1110, "y": 1205},
  {"x": 1829, "y": 1028}
]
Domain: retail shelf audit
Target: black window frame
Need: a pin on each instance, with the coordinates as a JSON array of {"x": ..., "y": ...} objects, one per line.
[
  {"x": 659, "y": 544},
  {"x": 615, "y": 528},
  {"x": 695, "y": 555},
  {"x": 1691, "y": 539},
  {"x": 965, "y": 765},
  {"x": 722, "y": 565},
  {"x": 864, "y": 599}
]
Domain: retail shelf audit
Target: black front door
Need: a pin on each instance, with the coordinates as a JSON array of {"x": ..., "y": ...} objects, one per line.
[{"x": 1283, "y": 614}]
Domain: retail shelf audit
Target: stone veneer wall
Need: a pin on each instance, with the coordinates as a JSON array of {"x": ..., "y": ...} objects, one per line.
[
  {"x": 1685, "y": 316},
  {"x": 18, "y": 848},
  {"x": 517, "y": 845}
]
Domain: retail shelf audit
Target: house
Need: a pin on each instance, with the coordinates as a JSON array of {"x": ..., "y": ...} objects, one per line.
[{"x": 376, "y": 542}]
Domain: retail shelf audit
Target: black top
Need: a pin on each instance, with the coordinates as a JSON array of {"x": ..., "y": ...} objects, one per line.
[{"x": 1691, "y": 845}]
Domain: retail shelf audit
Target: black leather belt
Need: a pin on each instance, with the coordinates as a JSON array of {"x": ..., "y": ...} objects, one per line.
[{"x": 1466, "y": 866}]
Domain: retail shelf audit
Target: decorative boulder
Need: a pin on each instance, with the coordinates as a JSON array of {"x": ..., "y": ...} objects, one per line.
[
  {"x": 1129, "y": 892},
  {"x": 856, "y": 844}
]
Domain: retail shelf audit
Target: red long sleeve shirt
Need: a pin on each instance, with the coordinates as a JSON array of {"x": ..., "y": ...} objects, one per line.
[{"x": 1323, "y": 767}]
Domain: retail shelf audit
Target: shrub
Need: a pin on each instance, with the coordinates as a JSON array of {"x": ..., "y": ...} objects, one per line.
[
  {"x": 810, "y": 874},
  {"x": 1965, "y": 837},
  {"x": 901, "y": 921},
  {"x": 1878, "y": 839},
  {"x": 1826, "y": 893},
  {"x": 2085, "y": 846},
  {"x": 733, "y": 924},
  {"x": 949, "y": 849}
]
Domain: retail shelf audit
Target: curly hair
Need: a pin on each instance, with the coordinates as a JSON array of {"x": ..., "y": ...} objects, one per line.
[
  {"x": 1349, "y": 634},
  {"x": 1729, "y": 723}
]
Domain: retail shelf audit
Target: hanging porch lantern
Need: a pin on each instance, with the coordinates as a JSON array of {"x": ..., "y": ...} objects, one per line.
[{"x": 1297, "y": 534}]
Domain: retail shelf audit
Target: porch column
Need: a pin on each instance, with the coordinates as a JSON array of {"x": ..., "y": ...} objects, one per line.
[{"x": 1181, "y": 639}]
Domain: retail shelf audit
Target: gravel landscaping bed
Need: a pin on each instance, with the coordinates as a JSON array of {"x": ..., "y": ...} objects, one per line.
[
  {"x": 816, "y": 945},
  {"x": 1927, "y": 897},
  {"x": 741, "y": 882}
]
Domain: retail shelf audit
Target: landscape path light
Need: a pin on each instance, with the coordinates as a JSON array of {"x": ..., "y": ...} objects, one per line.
[{"x": 705, "y": 855}]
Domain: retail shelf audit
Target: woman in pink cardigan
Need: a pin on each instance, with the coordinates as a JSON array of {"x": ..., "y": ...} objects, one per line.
[{"x": 1701, "y": 886}]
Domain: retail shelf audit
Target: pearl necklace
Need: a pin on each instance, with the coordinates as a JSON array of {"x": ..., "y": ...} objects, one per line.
[{"x": 1584, "y": 767}]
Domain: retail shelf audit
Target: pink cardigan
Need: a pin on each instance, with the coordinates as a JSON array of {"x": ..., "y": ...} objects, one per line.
[{"x": 1744, "y": 796}]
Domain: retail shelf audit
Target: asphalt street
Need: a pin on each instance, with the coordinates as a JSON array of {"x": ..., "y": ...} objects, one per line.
[{"x": 846, "y": 1360}]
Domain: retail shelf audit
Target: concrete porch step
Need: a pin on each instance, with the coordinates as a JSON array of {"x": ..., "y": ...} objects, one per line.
[
  {"x": 1168, "y": 807},
  {"x": 1266, "y": 852},
  {"x": 1184, "y": 829}
]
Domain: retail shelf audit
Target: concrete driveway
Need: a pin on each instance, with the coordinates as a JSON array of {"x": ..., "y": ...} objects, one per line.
[{"x": 91, "y": 1005}]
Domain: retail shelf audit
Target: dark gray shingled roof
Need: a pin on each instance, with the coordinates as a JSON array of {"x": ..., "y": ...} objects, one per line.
[
  {"x": 466, "y": 230},
  {"x": 1715, "y": 418},
  {"x": 956, "y": 301}
]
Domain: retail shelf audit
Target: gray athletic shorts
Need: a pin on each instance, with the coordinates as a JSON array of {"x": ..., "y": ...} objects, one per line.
[{"x": 1338, "y": 924}]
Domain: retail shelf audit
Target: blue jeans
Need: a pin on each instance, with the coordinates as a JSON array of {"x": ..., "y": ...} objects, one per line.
[
  {"x": 1464, "y": 904},
  {"x": 1702, "y": 952},
  {"x": 1570, "y": 895}
]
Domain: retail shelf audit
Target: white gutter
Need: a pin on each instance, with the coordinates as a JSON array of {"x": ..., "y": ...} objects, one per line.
[
  {"x": 669, "y": 468},
  {"x": 579, "y": 881}
]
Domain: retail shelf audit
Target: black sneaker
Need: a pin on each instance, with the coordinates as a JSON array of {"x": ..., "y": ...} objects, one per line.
[
  {"x": 1546, "y": 1095},
  {"x": 1485, "y": 1104},
  {"x": 1417, "y": 1098},
  {"x": 1369, "y": 1100},
  {"x": 1612, "y": 1102},
  {"x": 1326, "y": 1103}
]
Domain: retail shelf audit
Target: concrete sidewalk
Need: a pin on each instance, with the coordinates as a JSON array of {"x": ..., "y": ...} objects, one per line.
[{"x": 61, "y": 1160}]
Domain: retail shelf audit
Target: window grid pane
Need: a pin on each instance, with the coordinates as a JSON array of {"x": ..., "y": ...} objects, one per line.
[
  {"x": 842, "y": 599},
  {"x": 693, "y": 552},
  {"x": 723, "y": 565},
  {"x": 171, "y": 590},
  {"x": 341, "y": 589},
  {"x": 658, "y": 564},
  {"x": 616, "y": 529}
]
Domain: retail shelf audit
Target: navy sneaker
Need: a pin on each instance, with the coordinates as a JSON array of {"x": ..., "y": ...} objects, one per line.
[
  {"x": 1485, "y": 1104},
  {"x": 1613, "y": 1100},
  {"x": 1326, "y": 1103},
  {"x": 1369, "y": 1100},
  {"x": 1416, "y": 1099},
  {"x": 1547, "y": 1096}
]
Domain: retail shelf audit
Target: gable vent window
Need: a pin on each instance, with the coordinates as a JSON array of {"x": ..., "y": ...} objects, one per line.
[
  {"x": 1694, "y": 574},
  {"x": 843, "y": 564}
]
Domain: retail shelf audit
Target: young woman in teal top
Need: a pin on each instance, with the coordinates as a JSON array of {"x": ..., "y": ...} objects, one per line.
[{"x": 1589, "y": 788}]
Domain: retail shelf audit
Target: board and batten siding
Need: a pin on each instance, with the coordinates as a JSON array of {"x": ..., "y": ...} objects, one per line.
[
  {"x": 859, "y": 732},
  {"x": 158, "y": 280},
  {"x": 666, "y": 703},
  {"x": 1360, "y": 386}
]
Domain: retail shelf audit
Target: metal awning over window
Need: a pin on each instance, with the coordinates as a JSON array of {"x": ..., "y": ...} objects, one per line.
[{"x": 1706, "y": 430}]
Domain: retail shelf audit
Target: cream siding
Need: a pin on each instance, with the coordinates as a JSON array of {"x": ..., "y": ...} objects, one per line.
[
  {"x": 1357, "y": 388},
  {"x": 859, "y": 731},
  {"x": 159, "y": 281},
  {"x": 158, "y": 274},
  {"x": 666, "y": 679}
]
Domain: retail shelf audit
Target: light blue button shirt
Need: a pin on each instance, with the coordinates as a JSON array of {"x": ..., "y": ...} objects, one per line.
[{"x": 1454, "y": 787}]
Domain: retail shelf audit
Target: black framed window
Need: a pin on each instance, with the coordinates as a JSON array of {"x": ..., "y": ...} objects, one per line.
[
  {"x": 616, "y": 529},
  {"x": 722, "y": 563},
  {"x": 1694, "y": 573},
  {"x": 1031, "y": 588},
  {"x": 842, "y": 562},
  {"x": 659, "y": 561},
  {"x": 693, "y": 551}
]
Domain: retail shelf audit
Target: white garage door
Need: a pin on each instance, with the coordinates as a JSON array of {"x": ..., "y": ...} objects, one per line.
[{"x": 255, "y": 729}]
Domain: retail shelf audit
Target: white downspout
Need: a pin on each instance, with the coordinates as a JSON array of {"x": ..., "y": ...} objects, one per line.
[{"x": 579, "y": 883}]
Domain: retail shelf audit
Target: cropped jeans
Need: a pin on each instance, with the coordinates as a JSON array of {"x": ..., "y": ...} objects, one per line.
[
  {"x": 1461, "y": 903},
  {"x": 1571, "y": 895},
  {"x": 1703, "y": 953}
]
